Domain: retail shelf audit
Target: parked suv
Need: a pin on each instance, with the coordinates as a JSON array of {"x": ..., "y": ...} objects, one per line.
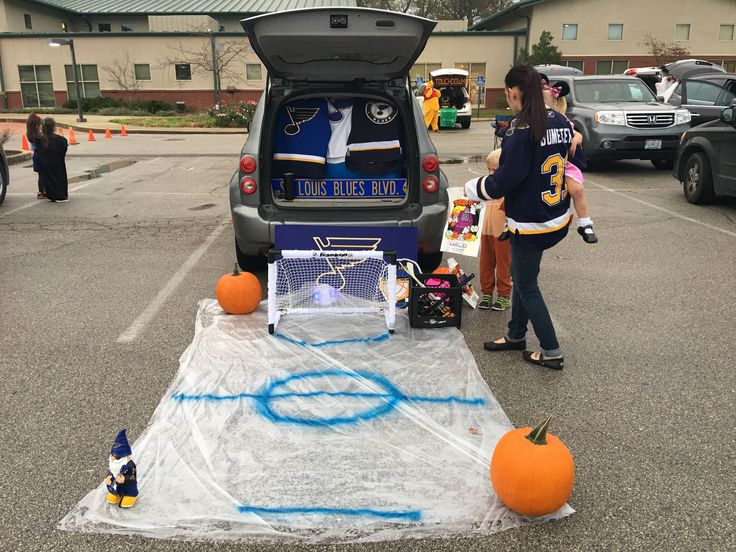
[
  {"x": 705, "y": 96},
  {"x": 356, "y": 61},
  {"x": 620, "y": 118},
  {"x": 706, "y": 159}
]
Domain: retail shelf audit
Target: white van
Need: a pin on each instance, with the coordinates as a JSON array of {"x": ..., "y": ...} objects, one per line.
[{"x": 453, "y": 87}]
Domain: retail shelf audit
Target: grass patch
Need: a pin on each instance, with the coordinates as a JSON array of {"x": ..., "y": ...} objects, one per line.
[{"x": 184, "y": 121}]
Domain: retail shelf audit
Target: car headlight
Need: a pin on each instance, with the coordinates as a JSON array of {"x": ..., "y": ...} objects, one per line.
[
  {"x": 682, "y": 116},
  {"x": 610, "y": 117}
]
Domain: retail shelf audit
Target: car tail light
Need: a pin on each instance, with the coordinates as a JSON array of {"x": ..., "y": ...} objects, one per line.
[
  {"x": 248, "y": 185},
  {"x": 431, "y": 184},
  {"x": 430, "y": 162},
  {"x": 248, "y": 164},
  {"x": 630, "y": 72}
]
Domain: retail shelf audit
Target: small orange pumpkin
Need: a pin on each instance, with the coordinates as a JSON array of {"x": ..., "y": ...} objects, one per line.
[
  {"x": 532, "y": 472},
  {"x": 239, "y": 292}
]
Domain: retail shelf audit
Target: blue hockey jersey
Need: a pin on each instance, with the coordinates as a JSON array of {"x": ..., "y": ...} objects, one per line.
[
  {"x": 301, "y": 137},
  {"x": 373, "y": 145},
  {"x": 531, "y": 177}
]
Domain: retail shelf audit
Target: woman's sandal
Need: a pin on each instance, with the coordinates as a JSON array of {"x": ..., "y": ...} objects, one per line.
[
  {"x": 506, "y": 345},
  {"x": 553, "y": 363}
]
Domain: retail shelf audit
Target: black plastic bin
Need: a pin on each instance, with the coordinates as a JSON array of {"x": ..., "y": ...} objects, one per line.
[{"x": 435, "y": 307}]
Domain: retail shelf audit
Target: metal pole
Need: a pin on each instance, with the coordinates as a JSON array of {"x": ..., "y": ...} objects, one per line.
[
  {"x": 81, "y": 118},
  {"x": 215, "y": 75}
]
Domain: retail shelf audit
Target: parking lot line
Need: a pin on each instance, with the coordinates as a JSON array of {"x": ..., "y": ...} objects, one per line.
[
  {"x": 131, "y": 333},
  {"x": 658, "y": 208},
  {"x": 38, "y": 202}
]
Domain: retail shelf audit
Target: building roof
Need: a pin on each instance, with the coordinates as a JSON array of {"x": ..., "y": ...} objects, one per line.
[
  {"x": 187, "y": 7},
  {"x": 485, "y": 23}
]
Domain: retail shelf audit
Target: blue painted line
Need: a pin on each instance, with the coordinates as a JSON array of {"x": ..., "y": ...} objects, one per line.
[
  {"x": 409, "y": 515},
  {"x": 303, "y": 343}
]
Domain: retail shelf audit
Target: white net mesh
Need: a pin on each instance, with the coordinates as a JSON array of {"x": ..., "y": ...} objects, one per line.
[{"x": 337, "y": 282}]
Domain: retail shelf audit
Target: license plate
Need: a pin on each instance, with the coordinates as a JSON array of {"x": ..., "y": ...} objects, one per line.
[
  {"x": 343, "y": 188},
  {"x": 652, "y": 144}
]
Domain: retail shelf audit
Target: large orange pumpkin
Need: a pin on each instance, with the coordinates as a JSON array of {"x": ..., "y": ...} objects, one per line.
[
  {"x": 532, "y": 472},
  {"x": 239, "y": 292}
]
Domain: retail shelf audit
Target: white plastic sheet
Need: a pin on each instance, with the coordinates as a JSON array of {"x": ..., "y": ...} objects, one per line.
[{"x": 332, "y": 430}]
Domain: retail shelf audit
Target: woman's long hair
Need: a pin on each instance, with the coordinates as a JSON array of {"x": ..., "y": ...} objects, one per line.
[
  {"x": 33, "y": 130},
  {"x": 533, "y": 112},
  {"x": 48, "y": 129}
]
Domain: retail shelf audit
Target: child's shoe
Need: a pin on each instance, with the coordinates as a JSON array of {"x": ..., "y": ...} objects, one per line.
[
  {"x": 486, "y": 301},
  {"x": 113, "y": 498},
  {"x": 587, "y": 233},
  {"x": 501, "y": 303}
]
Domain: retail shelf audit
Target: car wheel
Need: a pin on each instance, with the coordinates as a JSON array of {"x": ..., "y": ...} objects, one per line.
[
  {"x": 3, "y": 187},
  {"x": 697, "y": 183},
  {"x": 465, "y": 124},
  {"x": 249, "y": 263},
  {"x": 430, "y": 261},
  {"x": 663, "y": 164}
]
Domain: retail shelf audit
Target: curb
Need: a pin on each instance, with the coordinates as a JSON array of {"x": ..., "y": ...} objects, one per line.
[
  {"x": 139, "y": 130},
  {"x": 15, "y": 157}
]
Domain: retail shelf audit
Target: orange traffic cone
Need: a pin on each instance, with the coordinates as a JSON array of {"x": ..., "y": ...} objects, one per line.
[
  {"x": 123, "y": 132},
  {"x": 107, "y": 133},
  {"x": 72, "y": 138},
  {"x": 91, "y": 136},
  {"x": 24, "y": 144}
]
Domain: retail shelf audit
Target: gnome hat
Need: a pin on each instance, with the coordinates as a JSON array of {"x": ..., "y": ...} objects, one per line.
[{"x": 121, "y": 448}]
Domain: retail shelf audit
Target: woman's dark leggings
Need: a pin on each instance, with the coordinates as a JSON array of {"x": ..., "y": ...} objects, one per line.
[{"x": 527, "y": 302}]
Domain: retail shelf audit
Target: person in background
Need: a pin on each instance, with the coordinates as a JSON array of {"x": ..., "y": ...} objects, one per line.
[
  {"x": 33, "y": 135},
  {"x": 52, "y": 166},
  {"x": 495, "y": 255},
  {"x": 431, "y": 107},
  {"x": 530, "y": 178}
]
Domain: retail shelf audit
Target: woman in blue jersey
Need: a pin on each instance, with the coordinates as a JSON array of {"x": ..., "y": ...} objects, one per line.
[{"x": 531, "y": 178}]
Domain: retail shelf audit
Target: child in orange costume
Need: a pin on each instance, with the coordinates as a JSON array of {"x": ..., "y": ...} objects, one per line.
[{"x": 495, "y": 255}]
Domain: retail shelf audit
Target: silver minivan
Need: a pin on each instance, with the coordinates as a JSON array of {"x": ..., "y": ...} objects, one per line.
[{"x": 329, "y": 67}]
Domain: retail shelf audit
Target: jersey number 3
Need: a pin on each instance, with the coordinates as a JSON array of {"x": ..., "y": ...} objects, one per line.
[{"x": 554, "y": 166}]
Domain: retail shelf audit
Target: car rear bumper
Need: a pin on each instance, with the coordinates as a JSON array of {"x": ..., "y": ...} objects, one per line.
[{"x": 255, "y": 227}]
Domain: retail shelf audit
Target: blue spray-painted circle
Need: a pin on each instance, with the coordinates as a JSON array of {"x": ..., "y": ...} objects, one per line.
[{"x": 386, "y": 397}]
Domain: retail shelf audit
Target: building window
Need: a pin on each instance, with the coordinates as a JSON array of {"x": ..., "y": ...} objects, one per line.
[
  {"x": 725, "y": 32},
  {"x": 682, "y": 32},
  {"x": 104, "y": 28},
  {"x": 36, "y": 86},
  {"x": 615, "y": 31},
  {"x": 27, "y": 19},
  {"x": 142, "y": 71},
  {"x": 423, "y": 70},
  {"x": 574, "y": 63},
  {"x": 183, "y": 71},
  {"x": 253, "y": 71},
  {"x": 611, "y": 67},
  {"x": 89, "y": 81},
  {"x": 570, "y": 31},
  {"x": 126, "y": 27}
]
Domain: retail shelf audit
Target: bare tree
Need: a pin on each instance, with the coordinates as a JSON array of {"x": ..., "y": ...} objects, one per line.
[
  {"x": 663, "y": 52},
  {"x": 470, "y": 10},
  {"x": 122, "y": 73}
]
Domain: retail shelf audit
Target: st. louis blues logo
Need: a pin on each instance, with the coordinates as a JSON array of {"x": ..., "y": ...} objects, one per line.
[
  {"x": 299, "y": 115},
  {"x": 334, "y": 111},
  {"x": 380, "y": 112}
]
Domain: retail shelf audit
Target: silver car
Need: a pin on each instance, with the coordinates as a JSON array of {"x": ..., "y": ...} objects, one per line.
[{"x": 337, "y": 54}]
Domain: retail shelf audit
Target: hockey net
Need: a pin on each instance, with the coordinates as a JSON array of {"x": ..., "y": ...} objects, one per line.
[{"x": 331, "y": 282}]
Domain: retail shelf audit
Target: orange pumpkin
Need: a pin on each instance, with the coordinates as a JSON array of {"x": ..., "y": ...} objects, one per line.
[
  {"x": 239, "y": 292},
  {"x": 532, "y": 472}
]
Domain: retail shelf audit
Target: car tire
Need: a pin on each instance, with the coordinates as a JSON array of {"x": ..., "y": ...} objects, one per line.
[
  {"x": 249, "y": 263},
  {"x": 697, "y": 183},
  {"x": 465, "y": 124},
  {"x": 3, "y": 186},
  {"x": 663, "y": 164},
  {"x": 430, "y": 261}
]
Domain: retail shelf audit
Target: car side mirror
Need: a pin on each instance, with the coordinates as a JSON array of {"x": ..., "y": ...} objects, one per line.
[{"x": 728, "y": 115}]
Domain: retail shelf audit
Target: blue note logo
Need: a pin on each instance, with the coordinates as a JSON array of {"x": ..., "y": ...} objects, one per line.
[
  {"x": 299, "y": 115},
  {"x": 380, "y": 113}
]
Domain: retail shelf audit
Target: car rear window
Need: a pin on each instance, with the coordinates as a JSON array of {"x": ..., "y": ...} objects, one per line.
[{"x": 612, "y": 92}]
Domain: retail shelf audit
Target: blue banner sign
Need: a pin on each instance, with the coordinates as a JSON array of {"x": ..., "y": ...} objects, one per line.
[
  {"x": 343, "y": 188},
  {"x": 404, "y": 241}
]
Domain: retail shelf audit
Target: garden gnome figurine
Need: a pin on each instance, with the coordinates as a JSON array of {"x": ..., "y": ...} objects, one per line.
[{"x": 121, "y": 480}]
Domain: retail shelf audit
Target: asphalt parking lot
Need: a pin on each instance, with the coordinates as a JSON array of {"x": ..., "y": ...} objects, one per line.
[{"x": 99, "y": 296}]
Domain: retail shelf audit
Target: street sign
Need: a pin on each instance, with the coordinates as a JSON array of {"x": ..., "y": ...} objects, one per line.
[
  {"x": 420, "y": 81},
  {"x": 480, "y": 81}
]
